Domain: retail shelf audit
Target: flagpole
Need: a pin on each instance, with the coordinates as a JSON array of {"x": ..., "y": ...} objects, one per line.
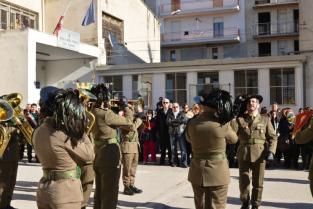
[{"x": 59, "y": 24}]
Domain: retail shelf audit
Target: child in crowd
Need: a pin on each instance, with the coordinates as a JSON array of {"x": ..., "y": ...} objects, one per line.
[{"x": 148, "y": 137}]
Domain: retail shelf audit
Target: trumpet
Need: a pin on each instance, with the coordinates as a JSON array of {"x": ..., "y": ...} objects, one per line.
[
  {"x": 23, "y": 125},
  {"x": 6, "y": 113}
]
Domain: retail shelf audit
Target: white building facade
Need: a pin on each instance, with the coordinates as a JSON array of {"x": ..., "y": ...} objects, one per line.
[
  {"x": 206, "y": 29},
  {"x": 277, "y": 79}
]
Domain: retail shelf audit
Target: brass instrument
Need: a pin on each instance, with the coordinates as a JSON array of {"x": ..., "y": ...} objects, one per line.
[
  {"x": 133, "y": 103},
  {"x": 86, "y": 96},
  {"x": 6, "y": 113},
  {"x": 23, "y": 125}
]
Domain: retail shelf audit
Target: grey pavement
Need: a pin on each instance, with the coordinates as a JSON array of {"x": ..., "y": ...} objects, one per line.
[{"x": 166, "y": 187}]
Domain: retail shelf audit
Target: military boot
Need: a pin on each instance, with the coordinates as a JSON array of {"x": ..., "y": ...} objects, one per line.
[
  {"x": 128, "y": 190},
  {"x": 245, "y": 205},
  {"x": 135, "y": 189},
  {"x": 255, "y": 207}
]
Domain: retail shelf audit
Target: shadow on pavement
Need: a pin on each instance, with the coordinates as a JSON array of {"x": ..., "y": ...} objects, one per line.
[
  {"x": 295, "y": 181},
  {"x": 236, "y": 201},
  {"x": 154, "y": 205},
  {"x": 27, "y": 197}
]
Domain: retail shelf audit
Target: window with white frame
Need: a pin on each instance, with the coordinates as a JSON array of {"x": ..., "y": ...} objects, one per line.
[
  {"x": 282, "y": 86},
  {"x": 246, "y": 82},
  {"x": 117, "y": 87},
  {"x": 176, "y": 87},
  {"x": 12, "y": 17}
]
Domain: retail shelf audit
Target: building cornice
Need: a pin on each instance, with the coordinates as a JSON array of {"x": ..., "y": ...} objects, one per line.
[{"x": 204, "y": 65}]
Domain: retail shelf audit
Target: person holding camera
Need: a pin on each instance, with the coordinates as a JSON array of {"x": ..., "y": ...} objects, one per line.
[{"x": 257, "y": 142}]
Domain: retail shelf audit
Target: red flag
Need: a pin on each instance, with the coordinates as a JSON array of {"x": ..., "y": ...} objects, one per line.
[
  {"x": 59, "y": 25},
  {"x": 301, "y": 120}
]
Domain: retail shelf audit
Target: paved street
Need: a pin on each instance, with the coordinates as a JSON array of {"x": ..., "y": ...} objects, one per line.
[{"x": 167, "y": 187}]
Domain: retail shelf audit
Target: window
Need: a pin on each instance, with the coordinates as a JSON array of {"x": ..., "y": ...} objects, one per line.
[
  {"x": 246, "y": 82},
  {"x": 215, "y": 53},
  {"x": 117, "y": 87},
  {"x": 282, "y": 47},
  {"x": 218, "y": 27},
  {"x": 296, "y": 45},
  {"x": 207, "y": 81},
  {"x": 15, "y": 18},
  {"x": 176, "y": 87},
  {"x": 175, "y": 5},
  {"x": 265, "y": 49},
  {"x": 282, "y": 86},
  {"x": 264, "y": 23},
  {"x": 173, "y": 55},
  {"x": 3, "y": 19},
  {"x": 135, "y": 89},
  {"x": 115, "y": 27}
]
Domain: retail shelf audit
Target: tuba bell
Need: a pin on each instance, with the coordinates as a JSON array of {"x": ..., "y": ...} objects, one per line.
[
  {"x": 6, "y": 113},
  {"x": 18, "y": 118}
]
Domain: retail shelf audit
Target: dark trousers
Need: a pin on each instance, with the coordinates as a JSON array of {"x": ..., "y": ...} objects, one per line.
[
  {"x": 165, "y": 145},
  {"x": 29, "y": 151},
  {"x": 213, "y": 197},
  {"x": 257, "y": 169},
  {"x": 8, "y": 173},
  {"x": 107, "y": 166},
  {"x": 174, "y": 139}
]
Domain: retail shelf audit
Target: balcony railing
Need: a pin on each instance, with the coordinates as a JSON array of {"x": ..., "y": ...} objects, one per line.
[
  {"x": 274, "y": 2},
  {"x": 278, "y": 29},
  {"x": 194, "y": 6},
  {"x": 201, "y": 36}
]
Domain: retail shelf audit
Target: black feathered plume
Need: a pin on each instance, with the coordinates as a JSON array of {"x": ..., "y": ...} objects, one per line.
[
  {"x": 70, "y": 116},
  {"x": 220, "y": 100}
]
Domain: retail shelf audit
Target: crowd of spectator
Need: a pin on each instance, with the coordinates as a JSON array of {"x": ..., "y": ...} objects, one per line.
[{"x": 165, "y": 134}]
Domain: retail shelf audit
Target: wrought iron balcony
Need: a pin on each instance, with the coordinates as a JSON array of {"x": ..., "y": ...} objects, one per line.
[
  {"x": 273, "y": 30},
  {"x": 189, "y": 7},
  {"x": 194, "y": 37},
  {"x": 271, "y": 3}
]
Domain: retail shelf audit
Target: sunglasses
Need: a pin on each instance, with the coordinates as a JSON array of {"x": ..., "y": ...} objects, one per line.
[
  {"x": 165, "y": 102},
  {"x": 175, "y": 106}
]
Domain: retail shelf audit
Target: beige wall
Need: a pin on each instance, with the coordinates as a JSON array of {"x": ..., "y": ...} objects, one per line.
[
  {"x": 57, "y": 70},
  {"x": 14, "y": 62},
  {"x": 141, "y": 28},
  {"x": 306, "y": 45},
  {"x": 72, "y": 20}
]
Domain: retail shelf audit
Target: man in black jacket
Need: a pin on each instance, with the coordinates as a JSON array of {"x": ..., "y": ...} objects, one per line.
[
  {"x": 162, "y": 131},
  {"x": 176, "y": 121}
]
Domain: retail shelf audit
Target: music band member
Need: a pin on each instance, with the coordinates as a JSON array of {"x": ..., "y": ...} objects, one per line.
[
  {"x": 254, "y": 132},
  {"x": 130, "y": 149},
  {"x": 107, "y": 163},
  {"x": 208, "y": 133},
  {"x": 61, "y": 145}
]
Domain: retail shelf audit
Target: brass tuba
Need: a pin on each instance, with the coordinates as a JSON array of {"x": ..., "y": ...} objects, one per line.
[
  {"x": 86, "y": 96},
  {"x": 6, "y": 113},
  {"x": 22, "y": 124}
]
